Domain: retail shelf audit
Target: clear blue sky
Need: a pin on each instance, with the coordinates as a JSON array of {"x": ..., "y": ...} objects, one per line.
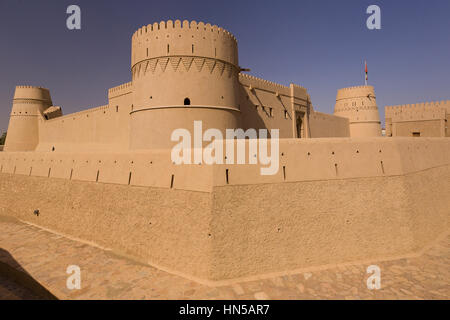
[{"x": 318, "y": 44}]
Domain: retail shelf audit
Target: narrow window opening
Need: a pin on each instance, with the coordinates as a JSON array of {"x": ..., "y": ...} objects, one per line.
[
  {"x": 226, "y": 175},
  {"x": 129, "y": 178},
  {"x": 382, "y": 166},
  {"x": 168, "y": 49},
  {"x": 171, "y": 181},
  {"x": 71, "y": 173},
  {"x": 14, "y": 170},
  {"x": 336, "y": 168},
  {"x": 285, "y": 114},
  {"x": 284, "y": 173},
  {"x": 187, "y": 102},
  {"x": 98, "y": 173},
  {"x": 117, "y": 108},
  {"x": 192, "y": 48},
  {"x": 49, "y": 171},
  {"x": 31, "y": 170},
  {"x": 147, "y": 52}
]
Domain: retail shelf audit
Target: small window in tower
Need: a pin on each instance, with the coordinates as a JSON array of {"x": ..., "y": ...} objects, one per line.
[
  {"x": 271, "y": 112},
  {"x": 285, "y": 114},
  {"x": 117, "y": 108},
  {"x": 192, "y": 48},
  {"x": 147, "y": 52},
  {"x": 187, "y": 102},
  {"x": 168, "y": 48}
]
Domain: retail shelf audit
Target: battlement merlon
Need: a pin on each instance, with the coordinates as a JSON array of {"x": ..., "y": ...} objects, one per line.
[
  {"x": 120, "y": 90},
  {"x": 293, "y": 90},
  {"x": 442, "y": 103}
]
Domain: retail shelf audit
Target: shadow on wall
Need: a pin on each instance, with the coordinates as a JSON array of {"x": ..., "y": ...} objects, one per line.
[
  {"x": 249, "y": 113},
  {"x": 12, "y": 271},
  {"x": 2, "y": 140}
]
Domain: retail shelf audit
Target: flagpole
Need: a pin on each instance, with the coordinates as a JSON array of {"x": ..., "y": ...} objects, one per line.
[{"x": 366, "y": 77}]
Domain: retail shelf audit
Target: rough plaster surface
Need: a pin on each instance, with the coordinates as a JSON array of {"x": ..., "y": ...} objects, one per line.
[
  {"x": 260, "y": 229},
  {"x": 160, "y": 226},
  {"x": 241, "y": 230}
]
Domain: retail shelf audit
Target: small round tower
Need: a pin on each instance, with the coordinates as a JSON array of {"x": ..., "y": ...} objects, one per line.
[
  {"x": 359, "y": 105},
  {"x": 181, "y": 72},
  {"x": 28, "y": 105}
]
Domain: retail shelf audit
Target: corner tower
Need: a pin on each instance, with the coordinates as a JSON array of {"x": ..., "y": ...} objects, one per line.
[
  {"x": 181, "y": 72},
  {"x": 359, "y": 105},
  {"x": 28, "y": 105}
]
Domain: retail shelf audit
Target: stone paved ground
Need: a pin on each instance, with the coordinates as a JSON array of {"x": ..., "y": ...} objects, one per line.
[{"x": 45, "y": 256}]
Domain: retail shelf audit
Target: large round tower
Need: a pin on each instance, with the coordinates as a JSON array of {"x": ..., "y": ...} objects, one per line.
[
  {"x": 182, "y": 72},
  {"x": 359, "y": 105},
  {"x": 28, "y": 105}
]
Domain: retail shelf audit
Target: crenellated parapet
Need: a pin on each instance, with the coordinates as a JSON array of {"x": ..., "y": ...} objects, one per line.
[
  {"x": 163, "y": 25},
  {"x": 120, "y": 90},
  {"x": 359, "y": 105},
  {"x": 29, "y": 93},
  {"x": 29, "y": 104},
  {"x": 183, "y": 39},
  {"x": 355, "y": 92},
  {"x": 253, "y": 82},
  {"x": 417, "y": 106},
  {"x": 418, "y": 111}
]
